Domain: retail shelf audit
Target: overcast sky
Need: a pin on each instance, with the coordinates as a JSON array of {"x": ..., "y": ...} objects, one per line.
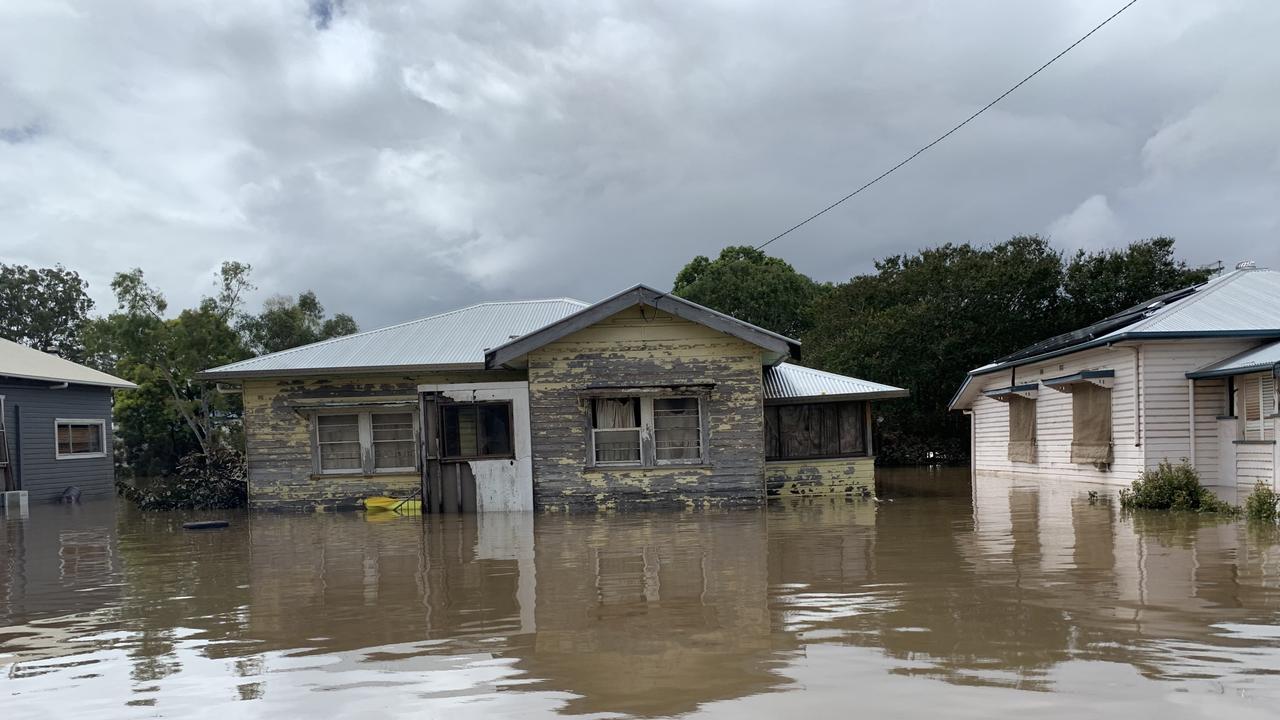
[{"x": 406, "y": 158}]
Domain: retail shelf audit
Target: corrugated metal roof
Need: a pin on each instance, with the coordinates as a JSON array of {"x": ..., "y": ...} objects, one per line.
[
  {"x": 20, "y": 361},
  {"x": 1265, "y": 357},
  {"x": 787, "y": 382},
  {"x": 456, "y": 338},
  {"x": 1238, "y": 301}
]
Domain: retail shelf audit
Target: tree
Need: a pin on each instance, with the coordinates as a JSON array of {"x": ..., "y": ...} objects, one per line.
[
  {"x": 162, "y": 355},
  {"x": 753, "y": 287},
  {"x": 924, "y": 320},
  {"x": 285, "y": 323},
  {"x": 44, "y": 308},
  {"x": 1101, "y": 284}
]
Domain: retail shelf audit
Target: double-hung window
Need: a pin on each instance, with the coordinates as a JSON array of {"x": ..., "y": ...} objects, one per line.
[
  {"x": 80, "y": 439},
  {"x": 645, "y": 431},
  {"x": 366, "y": 442}
]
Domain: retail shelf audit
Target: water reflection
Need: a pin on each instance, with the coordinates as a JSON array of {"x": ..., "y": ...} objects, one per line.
[{"x": 994, "y": 593}]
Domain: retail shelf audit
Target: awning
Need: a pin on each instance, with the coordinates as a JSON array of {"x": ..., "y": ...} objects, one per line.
[
  {"x": 1101, "y": 378},
  {"x": 1259, "y": 359},
  {"x": 1029, "y": 391}
]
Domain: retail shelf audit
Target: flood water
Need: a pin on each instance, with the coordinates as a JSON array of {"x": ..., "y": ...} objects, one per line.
[{"x": 944, "y": 600}]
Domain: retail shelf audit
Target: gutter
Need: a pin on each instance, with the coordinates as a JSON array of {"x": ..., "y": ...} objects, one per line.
[{"x": 313, "y": 372}]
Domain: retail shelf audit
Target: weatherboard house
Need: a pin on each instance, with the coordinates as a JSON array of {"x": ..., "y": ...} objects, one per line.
[
  {"x": 55, "y": 425},
  {"x": 1189, "y": 376},
  {"x": 641, "y": 399}
]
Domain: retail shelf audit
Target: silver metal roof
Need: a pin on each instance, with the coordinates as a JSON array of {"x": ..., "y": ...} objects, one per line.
[
  {"x": 20, "y": 361},
  {"x": 786, "y": 381},
  {"x": 1264, "y": 357},
  {"x": 1238, "y": 301},
  {"x": 454, "y": 339}
]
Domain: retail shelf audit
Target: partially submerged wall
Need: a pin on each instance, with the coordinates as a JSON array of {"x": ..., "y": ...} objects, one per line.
[
  {"x": 646, "y": 348},
  {"x": 278, "y": 436},
  {"x": 825, "y": 477}
]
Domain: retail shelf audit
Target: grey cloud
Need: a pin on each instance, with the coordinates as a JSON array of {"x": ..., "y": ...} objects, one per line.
[{"x": 405, "y": 158}]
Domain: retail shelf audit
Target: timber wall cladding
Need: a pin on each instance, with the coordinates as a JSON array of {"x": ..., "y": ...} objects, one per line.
[
  {"x": 278, "y": 436},
  {"x": 835, "y": 476},
  {"x": 645, "y": 349}
]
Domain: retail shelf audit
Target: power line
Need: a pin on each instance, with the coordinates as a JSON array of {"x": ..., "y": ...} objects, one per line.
[{"x": 948, "y": 133}]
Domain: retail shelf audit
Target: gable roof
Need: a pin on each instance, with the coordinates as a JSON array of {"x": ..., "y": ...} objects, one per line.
[
  {"x": 777, "y": 346},
  {"x": 787, "y": 381},
  {"x": 20, "y": 361},
  {"x": 452, "y": 340},
  {"x": 1240, "y": 303}
]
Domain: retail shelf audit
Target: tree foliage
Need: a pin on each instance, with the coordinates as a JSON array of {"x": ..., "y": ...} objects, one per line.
[
  {"x": 286, "y": 323},
  {"x": 923, "y": 320},
  {"x": 44, "y": 308},
  {"x": 752, "y": 286}
]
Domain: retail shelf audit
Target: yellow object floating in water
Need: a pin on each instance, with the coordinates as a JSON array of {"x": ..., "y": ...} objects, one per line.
[{"x": 390, "y": 504}]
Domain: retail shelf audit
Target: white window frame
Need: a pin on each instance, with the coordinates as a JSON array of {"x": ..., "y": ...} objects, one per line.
[
  {"x": 1264, "y": 385},
  {"x": 364, "y": 423},
  {"x": 648, "y": 451},
  {"x": 102, "y": 438}
]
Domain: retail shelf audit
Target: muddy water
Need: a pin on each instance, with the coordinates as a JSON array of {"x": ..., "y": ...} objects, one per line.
[{"x": 1001, "y": 600}]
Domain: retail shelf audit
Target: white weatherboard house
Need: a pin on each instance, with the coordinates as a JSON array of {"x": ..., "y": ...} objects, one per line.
[{"x": 1190, "y": 375}]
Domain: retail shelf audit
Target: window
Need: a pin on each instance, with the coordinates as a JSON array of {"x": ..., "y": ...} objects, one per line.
[
  {"x": 80, "y": 439},
  {"x": 815, "y": 430},
  {"x": 476, "y": 430},
  {"x": 345, "y": 442},
  {"x": 1258, "y": 400},
  {"x": 1090, "y": 424},
  {"x": 646, "y": 431},
  {"x": 1022, "y": 429}
]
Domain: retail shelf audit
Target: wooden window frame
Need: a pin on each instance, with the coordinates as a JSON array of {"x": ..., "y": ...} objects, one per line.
[
  {"x": 364, "y": 423},
  {"x": 646, "y": 432},
  {"x": 511, "y": 430},
  {"x": 102, "y": 438}
]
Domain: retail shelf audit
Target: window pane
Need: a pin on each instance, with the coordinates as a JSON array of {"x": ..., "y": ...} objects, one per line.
[
  {"x": 86, "y": 439},
  {"x": 338, "y": 437},
  {"x": 392, "y": 426},
  {"x": 676, "y": 429},
  {"x": 495, "y": 429},
  {"x": 340, "y": 456},
  {"x": 459, "y": 430},
  {"x": 64, "y": 439},
  {"x": 617, "y": 446},
  {"x": 338, "y": 428},
  {"x": 612, "y": 413},
  {"x": 393, "y": 442}
]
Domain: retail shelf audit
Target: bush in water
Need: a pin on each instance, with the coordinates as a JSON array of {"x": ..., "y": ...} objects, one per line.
[
  {"x": 1172, "y": 487},
  {"x": 202, "y": 481},
  {"x": 1261, "y": 503}
]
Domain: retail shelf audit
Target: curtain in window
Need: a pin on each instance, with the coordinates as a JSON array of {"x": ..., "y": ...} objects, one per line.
[
  {"x": 617, "y": 430},
  {"x": 616, "y": 413},
  {"x": 1091, "y": 424},
  {"x": 1022, "y": 429},
  {"x": 676, "y": 429}
]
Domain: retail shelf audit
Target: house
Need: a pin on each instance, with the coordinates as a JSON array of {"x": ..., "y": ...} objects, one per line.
[
  {"x": 640, "y": 399},
  {"x": 1190, "y": 375},
  {"x": 55, "y": 425}
]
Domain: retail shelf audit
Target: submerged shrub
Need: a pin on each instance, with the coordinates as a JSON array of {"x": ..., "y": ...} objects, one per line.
[
  {"x": 212, "y": 481},
  {"x": 1172, "y": 487},
  {"x": 1261, "y": 503}
]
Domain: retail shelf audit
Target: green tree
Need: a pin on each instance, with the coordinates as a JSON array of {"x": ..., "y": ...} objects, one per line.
[
  {"x": 286, "y": 323},
  {"x": 923, "y": 321},
  {"x": 170, "y": 413},
  {"x": 44, "y": 308},
  {"x": 1100, "y": 284},
  {"x": 754, "y": 287}
]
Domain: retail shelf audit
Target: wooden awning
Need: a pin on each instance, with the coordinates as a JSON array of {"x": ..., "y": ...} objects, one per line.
[{"x": 1101, "y": 378}]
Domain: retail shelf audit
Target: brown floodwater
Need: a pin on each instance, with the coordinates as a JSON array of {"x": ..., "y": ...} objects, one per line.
[{"x": 945, "y": 599}]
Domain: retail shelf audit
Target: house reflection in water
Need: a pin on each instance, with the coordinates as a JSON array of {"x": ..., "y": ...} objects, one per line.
[{"x": 647, "y": 614}]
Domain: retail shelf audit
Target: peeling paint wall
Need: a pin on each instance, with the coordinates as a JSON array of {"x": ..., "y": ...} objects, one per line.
[
  {"x": 278, "y": 436},
  {"x": 644, "y": 347},
  {"x": 837, "y": 476}
]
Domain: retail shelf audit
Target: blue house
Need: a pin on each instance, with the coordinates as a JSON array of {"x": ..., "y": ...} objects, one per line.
[{"x": 55, "y": 425}]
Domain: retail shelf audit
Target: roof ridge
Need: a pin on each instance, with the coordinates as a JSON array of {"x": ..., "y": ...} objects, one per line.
[{"x": 415, "y": 321}]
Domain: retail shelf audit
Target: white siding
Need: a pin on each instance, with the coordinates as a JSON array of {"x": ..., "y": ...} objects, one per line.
[
  {"x": 1211, "y": 403},
  {"x": 1254, "y": 462},
  {"x": 1053, "y": 422}
]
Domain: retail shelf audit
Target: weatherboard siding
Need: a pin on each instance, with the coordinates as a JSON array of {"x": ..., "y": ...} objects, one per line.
[
  {"x": 31, "y": 409},
  {"x": 641, "y": 347},
  {"x": 1255, "y": 463},
  {"x": 808, "y": 478},
  {"x": 1053, "y": 422},
  {"x": 278, "y": 436}
]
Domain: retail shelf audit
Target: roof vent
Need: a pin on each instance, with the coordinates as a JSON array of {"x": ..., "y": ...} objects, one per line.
[{"x": 1246, "y": 265}]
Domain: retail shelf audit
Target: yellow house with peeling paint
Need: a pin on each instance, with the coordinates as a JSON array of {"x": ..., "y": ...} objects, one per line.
[{"x": 642, "y": 399}]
